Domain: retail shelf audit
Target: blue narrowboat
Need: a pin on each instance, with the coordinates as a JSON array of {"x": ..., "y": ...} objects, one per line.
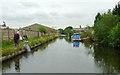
[{"x": 76, "y": 37}]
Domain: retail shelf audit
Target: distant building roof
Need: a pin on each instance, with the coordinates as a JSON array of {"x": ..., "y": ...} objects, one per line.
[
  {"x": 78, "y": 29},
  {"x": 76, "y": 33},
  {"x": 35, "y": 27}
]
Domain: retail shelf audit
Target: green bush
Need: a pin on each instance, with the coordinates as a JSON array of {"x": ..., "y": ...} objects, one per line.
[
  {"x": 43, "y": 29},
  {"x": 107, "y": 27},
  {"x": 114, "y": 38},
  {"x": 9, "y": 51},
  {"x": 69, "y": 30},
  {"x": 103, "y": 27}
]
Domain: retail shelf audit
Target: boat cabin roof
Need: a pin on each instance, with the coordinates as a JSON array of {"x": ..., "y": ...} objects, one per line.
[{"x": 76, "y": 33}]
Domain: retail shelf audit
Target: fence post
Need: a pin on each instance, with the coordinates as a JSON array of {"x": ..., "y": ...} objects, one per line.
[
  {"x": 38, "y": 33},
  {"x": 2, "y": 34},
  {"x": 8, "y": 34}
]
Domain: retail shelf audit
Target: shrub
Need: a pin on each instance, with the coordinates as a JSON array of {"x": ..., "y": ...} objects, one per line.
[
  {"x": 114, "y": 38},
  {"x": 103, "y": 27}
]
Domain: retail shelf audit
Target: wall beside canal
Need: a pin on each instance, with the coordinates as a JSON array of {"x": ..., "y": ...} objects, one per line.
[{"x": 8, "y": 34}]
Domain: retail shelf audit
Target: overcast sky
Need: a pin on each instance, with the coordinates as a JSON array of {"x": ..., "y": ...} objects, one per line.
[{"x": 52, "y": 13}]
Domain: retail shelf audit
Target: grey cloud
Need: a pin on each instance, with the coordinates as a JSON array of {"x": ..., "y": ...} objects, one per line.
[
  {"x": 55, "y": 5},
  {"x": 20, "y": 20},
  {"x": 54, "y": 14},
  {"x": 25, "y": 17},
  {"x": 30, "y": 4},
  {"x": 74, "y": 15}
]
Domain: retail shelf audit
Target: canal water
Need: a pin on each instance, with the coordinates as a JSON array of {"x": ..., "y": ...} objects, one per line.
[{"x": 63, "y": 56}]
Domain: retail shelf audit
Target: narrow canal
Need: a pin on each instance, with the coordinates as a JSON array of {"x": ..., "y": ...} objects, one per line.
[{"x": 63, "y": 56}]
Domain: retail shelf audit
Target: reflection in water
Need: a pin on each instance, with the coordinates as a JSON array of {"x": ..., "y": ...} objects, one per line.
[
  {"x": 17, "y": 65},
  {"x": 68, "y": 39},
  {"x": 0, "y": 67},
  {"x": 43, "y": 47},
  {"x": 7, "y": 64},
  {"x": 108, "y": 59},
  {"x": 27, "y": 54},
  {"x": 61, "y": 37},
  {"x": 105, "y": 59},
  {"x": 76, "y": 44},
  {"x": 88, "y": 45}
]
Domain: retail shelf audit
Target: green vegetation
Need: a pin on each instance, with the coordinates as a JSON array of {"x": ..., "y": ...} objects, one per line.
[
  {"x": 116, "y": 10},
  {"x": 107, "y": 58},
  {"x": 68, "y": 39},
  {"x": 61, "y": 31},
  {"x": 114, "y": 36},
  {"x": 8, "y": 44},
  {"x": 107, "y": 27},
  {"x": 88, "y": 32},
  {"x": 102, "y": 27},
  {"x": 9, "y": 51},
  {"x": 32, "y": 42},
  {"x": 43, "y": 29},
  {"x": 67, "y": 31}
]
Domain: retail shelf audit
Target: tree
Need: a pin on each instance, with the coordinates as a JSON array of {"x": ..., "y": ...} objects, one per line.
[
  {"x": 114, "y": 37},
  {"x": 102, "y": 27},
  {"x": 107, "y": 28},
  {"x": 61, "y": 31},
  {"x": 116, "y": 10},
  {"x": 88, "y": 32},
  {"x": 43, "y": 29},
  {"x": 69, "y": 27},
  {"x": 98, "y": 17},
  {"x": 69, "y": 30}
]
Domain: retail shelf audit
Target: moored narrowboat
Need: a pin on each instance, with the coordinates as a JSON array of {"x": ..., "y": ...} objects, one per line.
[{"x": 76, "y": 37}]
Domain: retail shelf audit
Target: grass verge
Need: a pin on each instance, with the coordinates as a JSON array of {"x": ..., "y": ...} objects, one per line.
[{"x": 7, "y": 50}]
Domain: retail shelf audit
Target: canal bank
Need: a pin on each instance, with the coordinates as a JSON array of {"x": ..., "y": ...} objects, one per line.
[
  {"x": 8, "y": 53},
  {"x": 61, "y": 56}
]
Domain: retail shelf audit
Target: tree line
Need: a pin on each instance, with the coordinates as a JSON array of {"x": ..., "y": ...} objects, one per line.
[
  {"x": 107, "y": 27},
  {"x": 67, "y": 31}
]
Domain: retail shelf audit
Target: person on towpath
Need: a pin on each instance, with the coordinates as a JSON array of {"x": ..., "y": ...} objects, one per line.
[{"x": 16, "y": 39}]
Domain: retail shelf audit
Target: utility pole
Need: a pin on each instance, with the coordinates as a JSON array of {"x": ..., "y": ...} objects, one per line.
[
  {"x": 4, "y": 23},
  {"x": 80, "y": 26}
]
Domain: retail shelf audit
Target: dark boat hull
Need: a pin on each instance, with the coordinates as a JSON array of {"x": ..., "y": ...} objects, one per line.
[{"x": 76, "y": 40}]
